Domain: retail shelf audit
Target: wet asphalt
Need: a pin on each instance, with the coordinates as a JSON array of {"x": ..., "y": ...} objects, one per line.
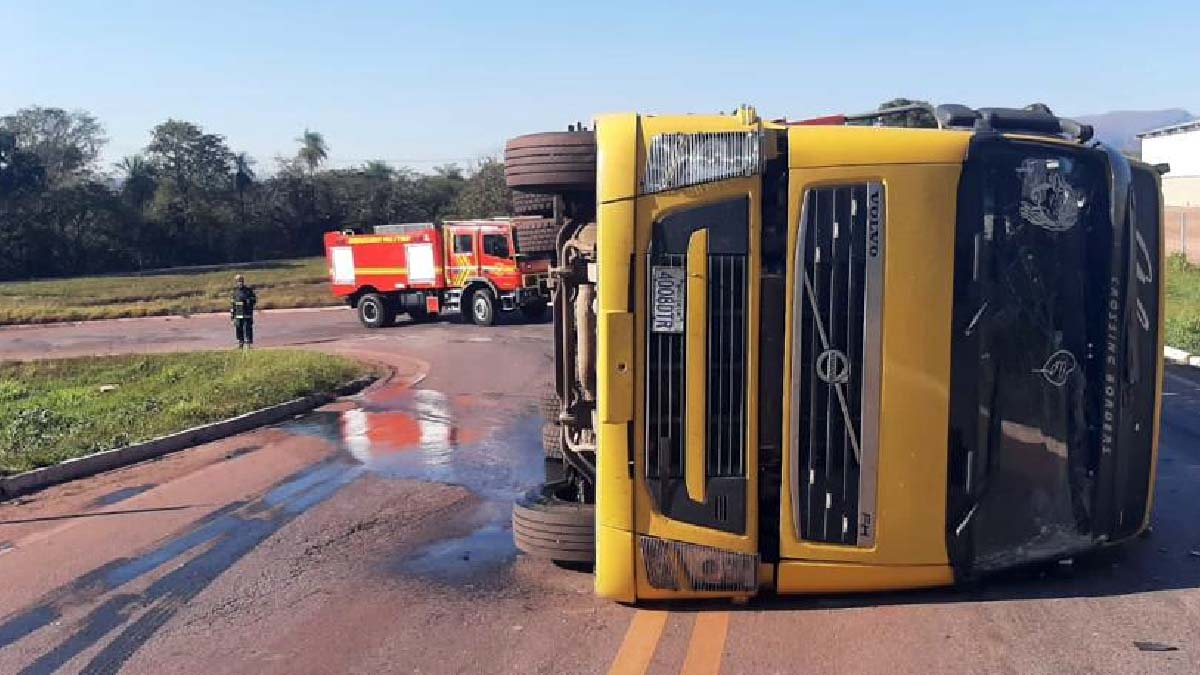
[{"x": 372, "y": 536}]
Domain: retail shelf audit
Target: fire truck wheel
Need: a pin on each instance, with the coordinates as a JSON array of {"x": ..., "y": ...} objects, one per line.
[
  {"x": 546, "y": 524},
  {"x": 483, "y": 307},
  {"x": 551, "y": 163},
  {"x": 534, "y": 312},
  {"x": 552, "y": 440},
  {"x": 374, "y": 311}
]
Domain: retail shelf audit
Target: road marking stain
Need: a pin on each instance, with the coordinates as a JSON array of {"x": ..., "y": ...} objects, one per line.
[
  {"x": 641, "y": 639},
  {"x": 707, "y": 644}
]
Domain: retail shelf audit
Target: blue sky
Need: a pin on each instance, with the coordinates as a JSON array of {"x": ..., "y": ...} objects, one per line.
[{"x": 420, "y": 84}]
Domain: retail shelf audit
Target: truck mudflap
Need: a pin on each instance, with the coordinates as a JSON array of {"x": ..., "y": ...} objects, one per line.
[{"x": 1054, "y": 374}]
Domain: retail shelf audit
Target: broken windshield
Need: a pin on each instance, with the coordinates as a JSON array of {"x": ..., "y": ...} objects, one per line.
[{"x": 1031, "y": 296}]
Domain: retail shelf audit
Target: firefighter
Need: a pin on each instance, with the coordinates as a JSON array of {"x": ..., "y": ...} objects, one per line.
[{"x": 241, "y": 311}]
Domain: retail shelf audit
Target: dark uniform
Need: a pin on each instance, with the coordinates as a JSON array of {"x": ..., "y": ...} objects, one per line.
[{"x": 241, "y": 310}]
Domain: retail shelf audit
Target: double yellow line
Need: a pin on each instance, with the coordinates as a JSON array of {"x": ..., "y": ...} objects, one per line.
[{"x": 705, "y": 647}]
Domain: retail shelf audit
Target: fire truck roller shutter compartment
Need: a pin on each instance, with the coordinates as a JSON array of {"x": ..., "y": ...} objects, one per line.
[{"x": 343, "y": 264}]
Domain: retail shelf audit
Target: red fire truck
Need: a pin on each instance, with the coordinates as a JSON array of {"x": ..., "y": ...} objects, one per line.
[{"x": 475, "y": 267}]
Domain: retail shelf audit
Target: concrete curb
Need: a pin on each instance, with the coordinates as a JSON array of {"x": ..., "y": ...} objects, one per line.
[
  {"x": 81, "y": 467},
  {"x": 1180, "y": 357},
  {"x": 167, "y": 317}
]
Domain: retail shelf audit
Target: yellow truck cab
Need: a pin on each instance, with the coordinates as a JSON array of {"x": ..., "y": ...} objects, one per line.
[{"x": 829, "y": 358}]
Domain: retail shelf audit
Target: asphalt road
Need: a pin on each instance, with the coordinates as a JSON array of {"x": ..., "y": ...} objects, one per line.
[{"x": 371, "y": 536}]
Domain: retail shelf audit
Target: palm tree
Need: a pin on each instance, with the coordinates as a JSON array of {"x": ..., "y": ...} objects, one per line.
[
  {"x": 243, "y": 178},
  {"x": 377, "y": 169},
  {"x": 140, "y": 180},
  {"x": 313, "y": 149}
]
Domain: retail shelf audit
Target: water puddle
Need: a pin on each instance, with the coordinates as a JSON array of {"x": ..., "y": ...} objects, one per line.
[
  {"x": 485, "y": 549},
  {"x": 488, "y": 444}
]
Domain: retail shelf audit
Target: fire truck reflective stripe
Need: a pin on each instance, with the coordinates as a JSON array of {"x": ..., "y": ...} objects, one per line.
[
  {"x": 379, "y": 239},
  {"x": 368, "y": 271}
]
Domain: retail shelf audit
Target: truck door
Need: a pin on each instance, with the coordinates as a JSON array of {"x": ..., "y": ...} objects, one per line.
[
  {"x": 463, "y": 262},
  {"x": 696, "y": 299},
  {"x": 495, "y": 258}
]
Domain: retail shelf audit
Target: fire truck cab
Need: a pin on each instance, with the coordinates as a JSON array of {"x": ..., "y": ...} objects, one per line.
[{"x": 474, "y": 267}]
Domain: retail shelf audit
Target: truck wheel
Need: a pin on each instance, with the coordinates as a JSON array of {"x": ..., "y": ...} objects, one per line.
[
  {"x": 535, "y": 235},
  {"x": 547, "y": 526},
  {"x": 374, "y": 311},
  {"x": 534, "y": 312},
  {"x": 548, "y": 403},
  {"x": 532, "y": 204},
  {"x": 552, "y": 440},
  {"x": 556, "y": 162},
  {"x": 483, "y": 307}
]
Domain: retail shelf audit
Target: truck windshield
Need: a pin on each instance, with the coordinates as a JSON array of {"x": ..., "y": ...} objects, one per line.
[
  {"x": 1034, "y": 255},
  {"x": 495, "y": 245}
]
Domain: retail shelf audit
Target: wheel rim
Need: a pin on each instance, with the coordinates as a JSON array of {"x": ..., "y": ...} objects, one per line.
[
  {"x": 481, "y": 307},
  {"x": 370, "y": 311}
]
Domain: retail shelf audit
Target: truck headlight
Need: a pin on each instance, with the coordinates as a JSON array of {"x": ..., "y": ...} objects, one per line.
[{"x": 680, "y": 160}]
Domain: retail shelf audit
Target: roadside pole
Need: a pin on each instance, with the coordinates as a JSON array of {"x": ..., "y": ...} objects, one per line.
[{"x": 1183, "y": 234}]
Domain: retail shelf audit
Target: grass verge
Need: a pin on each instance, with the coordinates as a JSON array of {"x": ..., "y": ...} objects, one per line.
[
  {"x": 284, "y": 283},
  {"x": 1183, "y": 304},
  {"x": 54, "y": 410}
]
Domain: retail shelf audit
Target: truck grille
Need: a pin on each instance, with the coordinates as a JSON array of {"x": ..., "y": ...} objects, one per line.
[
  {"x": 835, "y": 367},
  {"x": 726, "y": 372}
]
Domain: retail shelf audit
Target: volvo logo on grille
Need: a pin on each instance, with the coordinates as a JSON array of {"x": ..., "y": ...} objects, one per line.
[
  {"x": 833, "y": 367},
  {"x": 873, "y": 222}
]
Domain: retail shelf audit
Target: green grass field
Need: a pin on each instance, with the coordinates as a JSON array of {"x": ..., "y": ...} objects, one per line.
[
  {"x": 1183, "y": 304},
  {"x": 285, "y": 283},
  {"x": 54, "y": 410}
]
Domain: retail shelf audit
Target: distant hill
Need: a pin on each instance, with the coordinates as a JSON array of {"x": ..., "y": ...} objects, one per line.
[{"x": 1120, "y": 128}]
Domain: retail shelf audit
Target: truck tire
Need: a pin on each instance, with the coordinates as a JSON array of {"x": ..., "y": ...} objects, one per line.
[
  {"x": 483, "y": 307},
  {"x": 552, "y": 440},
  {"x": 548, "y": 403},
  {"x": 557, "y": 162},
  {"x": 547, "y": 526},
  {"x": 374, "y": 311},
  {"x": 533, "y": 204},
  {"x": 535, "y": 235}
]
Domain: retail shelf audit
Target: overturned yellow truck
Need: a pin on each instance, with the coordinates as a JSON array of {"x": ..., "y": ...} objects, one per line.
[{"x": 826, "y": 357}]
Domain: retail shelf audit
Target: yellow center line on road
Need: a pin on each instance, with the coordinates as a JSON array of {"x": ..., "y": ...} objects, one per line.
[
  {"x": 641, "y": 639},
  {"x": 707, "y": 644}
]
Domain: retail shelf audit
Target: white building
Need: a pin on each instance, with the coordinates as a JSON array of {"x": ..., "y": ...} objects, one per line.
[{"x": 1179, "y": 146}]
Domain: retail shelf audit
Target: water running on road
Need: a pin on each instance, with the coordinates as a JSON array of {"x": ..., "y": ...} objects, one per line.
[{"x": 489, "y": 445}]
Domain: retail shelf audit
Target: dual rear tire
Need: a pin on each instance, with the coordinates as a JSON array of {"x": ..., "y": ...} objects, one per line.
[{"x": 548, "y": 524}]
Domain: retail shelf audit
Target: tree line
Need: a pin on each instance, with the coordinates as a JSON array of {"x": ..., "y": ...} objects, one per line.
[{"x": 189, "y": 199}]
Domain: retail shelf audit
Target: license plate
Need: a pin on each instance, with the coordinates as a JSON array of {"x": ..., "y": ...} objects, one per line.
[{"x": 668, "y": 284}]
